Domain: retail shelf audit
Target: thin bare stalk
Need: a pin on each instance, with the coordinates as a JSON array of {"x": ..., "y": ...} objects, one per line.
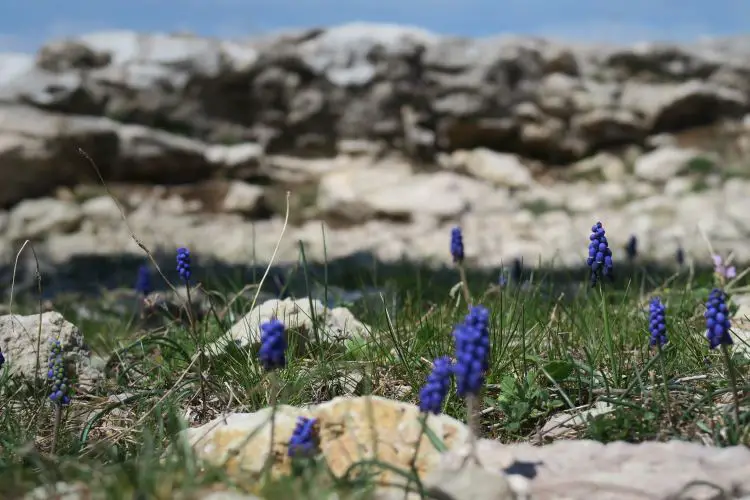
[
  {"x": 464, "y": 284},
  {"x": 273, "y": 387},
  {"x": 200, "y": 340},
  {"x": 38, "y": 276}
]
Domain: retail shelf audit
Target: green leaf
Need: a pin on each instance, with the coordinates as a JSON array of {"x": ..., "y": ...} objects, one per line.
[
  {"x": 357, "y": 345},
  {"x": 521, "y": 408},
  {"x": 508, "y": 385},
  {"x": 559, "y": 370},
  {"x": 733, "y": 308},
  {"x": 702, "y": 426},
  {"x": 436, "y": 442},
  {"x": 701, "y": 293}
]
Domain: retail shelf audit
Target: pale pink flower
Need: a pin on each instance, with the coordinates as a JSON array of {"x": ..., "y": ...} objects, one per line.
[{"x": 720, "y": 268}]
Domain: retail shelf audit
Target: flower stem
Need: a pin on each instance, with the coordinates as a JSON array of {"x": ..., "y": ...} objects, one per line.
[
  {"x": 273, "y": 388},
  {"x": 464, "y": 284},
  {"x": 198, "y": 339},
  {"x": 663, "y": 369},
  {"x": 473, "y": 420},
  {"x": 608, "y": 340},
  {"x": 732, "y": 381},
  {"x": 56, "y": 419}
]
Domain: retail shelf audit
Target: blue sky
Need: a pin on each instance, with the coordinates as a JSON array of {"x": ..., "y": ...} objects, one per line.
[{"x": 26, "y": 25}]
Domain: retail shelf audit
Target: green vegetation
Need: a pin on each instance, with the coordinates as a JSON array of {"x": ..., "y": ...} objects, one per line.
[{"x": 557, "y": 345}]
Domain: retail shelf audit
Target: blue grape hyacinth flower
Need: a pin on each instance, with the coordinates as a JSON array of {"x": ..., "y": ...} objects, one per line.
[
  {"x": 502, "y": 280},
  {"x": 183, "y": 264},
  {"x": 457, "y": 245},
  {"x": 472, "y": 339},
  {"x": 62, "y": 391},
  {"x": 631, "y": 247},
  {"x": 657, "y": 326},
  {"x": 2, "y": 359},
  {"x": 717, "y": 320},
  {"x": 516, "y": 271},
  {"x": 679, "y": 256},
  {"x": 143, "y": 284},
  {"x": 272, "y": 345},
  {"x": 304, "y": 440},
  {"x": 600, "y": 255},
  {"x": 433, "y": 394}
]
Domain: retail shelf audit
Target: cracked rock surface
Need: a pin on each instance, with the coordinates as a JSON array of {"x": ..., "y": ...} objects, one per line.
[{"x": 582, "y": 469}]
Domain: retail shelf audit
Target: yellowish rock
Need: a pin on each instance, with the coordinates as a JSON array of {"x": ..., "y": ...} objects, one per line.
[{"x": 351, "y": 430}]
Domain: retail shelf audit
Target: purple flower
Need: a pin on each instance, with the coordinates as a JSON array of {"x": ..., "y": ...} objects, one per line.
[
  {"x": 657, "y": 326},
  {"x": 304, "y": 440},
  {"x": 516, "y": 271},
  {"x": 717, "y": 320},
  {"x": 472, "y": 339},
  {"x": 679, "y": 256},
  {"x": 62, "y": 390},
  {"x": 600, "y": 255},
  {"x": 631, "y": 248},
  {"x": 272, "y": 345},
  {"x": 502, "y": 280},
  {"x": 143, "y": 283},
  {"x": 183, "y": 264},
  {"x": 438, "y": 383},
  {"x": 457, "y": 245},
  {"x": 722, "y": 268}
]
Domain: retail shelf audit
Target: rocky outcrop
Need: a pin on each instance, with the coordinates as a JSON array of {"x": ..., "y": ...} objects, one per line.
[
  {"x": 172, "y": 109},
  {"x": 388, "y": 134},
  {"x": 25, "y": 342}
]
